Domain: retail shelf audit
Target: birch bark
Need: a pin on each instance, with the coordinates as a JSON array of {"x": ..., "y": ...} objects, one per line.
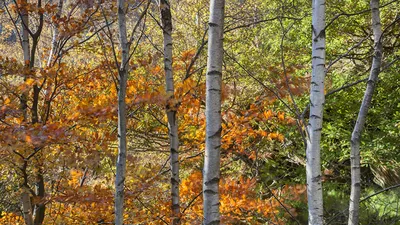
[
  {"x": 39, "y": 208},
  {"x": 25, "y": 196},
  {"x": 314, "y": 128},
  {"x": 123, "y": 75},
  {"x": 26, "y": 51},
  {"x": 166, "y": 22},
  {"x": 362, "y": 116},
  {"x": 54, "y": 40},
  {"x": 211, "y": 173}
]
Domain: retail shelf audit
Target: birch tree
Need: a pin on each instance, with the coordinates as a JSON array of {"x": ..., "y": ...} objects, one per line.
[
  {"x": 36, "y": 214},
  {"x": 122, "y": 75},
  {"x": 54, "y": 41},
  {"x": 314, "y": 128},
  {"x": 25, "y": 196},
  {"x": 26, "y": 51},
  {"x": 211, "y": 173},
  {"x": 166, "y": 22},
  {"x": 362, "y": 115}
]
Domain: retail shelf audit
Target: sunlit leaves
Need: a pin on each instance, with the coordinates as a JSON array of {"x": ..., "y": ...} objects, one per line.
[
  {"x": 74, "y": 140},
  {"x": 239, "y": 200},
  {"x": 10, "y": 218}
]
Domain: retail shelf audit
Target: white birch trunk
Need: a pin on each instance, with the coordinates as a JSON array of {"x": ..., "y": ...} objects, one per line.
[
  {"x": 362, "y": 116},
  {"x": 26, "y": 51},
  {"x": 25, "y": 197},
  {"x": 25, "y": 34},
  {"x": 54, "y": 40},
  {"x": 317, "y": 99},
  {"x": 123, "y": 75},
  {"x": 166, "y": 22},
  {"x": 211, "y": 173}
]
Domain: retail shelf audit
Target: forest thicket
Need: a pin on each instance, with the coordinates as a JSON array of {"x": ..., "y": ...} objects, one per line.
[{"x": 199, "y": 112}]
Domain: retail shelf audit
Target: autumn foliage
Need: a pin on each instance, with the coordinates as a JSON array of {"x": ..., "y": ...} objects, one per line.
[{"x": 72, "y": 145}]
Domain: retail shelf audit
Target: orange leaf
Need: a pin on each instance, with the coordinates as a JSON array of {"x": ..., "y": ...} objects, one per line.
[
  {"x": 267, "y": 114},
  {"x": 28, "y": 139},
  {"x": 281, "y": 116}
]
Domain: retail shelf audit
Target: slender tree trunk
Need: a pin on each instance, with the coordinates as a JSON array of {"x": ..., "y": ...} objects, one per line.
[
  {"x": 26, "y": 207},
  {"x": 25, "y": 196},
  {"x": 40, "y": 208},
  {"x": 123, "y": 75},
  {"x": 362, "y": 116},
  {"x": 29, "y": 62},
  {"x": 54, "y": 40},
  {"x": 53, "y": 52},
  {"x": 211, "y": 173},
  {"x": 166, "y": 22},
  {"x": 25, "y": 33},
  {"x": 314, "y": 128},
  {"x": 26, "y": 51}
]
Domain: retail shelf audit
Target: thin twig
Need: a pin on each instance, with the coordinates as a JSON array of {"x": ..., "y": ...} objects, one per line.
[
  {"x": 351, "y": 84},
  {"x": 191, "y": 202},
  {"x": 299, "y": 120},
  {"x": 261, "y": 21},
  {"x": 14, "y": 23},
  {"x": 196, "y": 56},
  {"x": 148, "y": 208},
  {"x": 347, "y": 53},
  {"x": 280, "y": 203},
  {"x": 379, "y": 192},
  {"x": 354, "y": 14},
  {"x": 261, "y": 83}
]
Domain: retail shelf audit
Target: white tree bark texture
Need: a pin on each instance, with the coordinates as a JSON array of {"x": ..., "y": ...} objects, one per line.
[
  {"x": 166, "y": 22},
  {"x": 26, "y": 51},
  {"x": 25, "y": 196},
  {"x": 314, "y": 128},
  {"x": 54, "y": 39},
  {"x": 211, "y": 173},
  {"x": 123, "y": 75},
  {"x": 355, "y": 193}
]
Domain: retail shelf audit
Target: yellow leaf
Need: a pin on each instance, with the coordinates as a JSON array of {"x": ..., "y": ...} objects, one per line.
[
  {"x": 272, "y": 135},
  {"x": 19, "y": 120},
  {"x": 281, "y": 137},
  {"x": 29, "y": 81}
]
